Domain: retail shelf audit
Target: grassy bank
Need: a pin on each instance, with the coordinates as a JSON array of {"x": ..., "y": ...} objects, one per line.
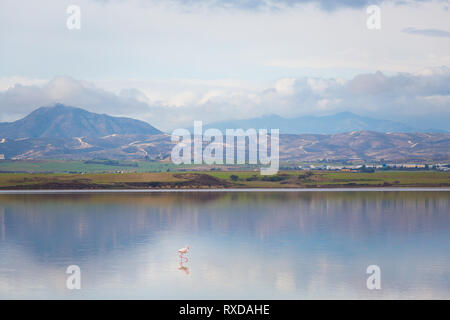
[
  {"x": 248, "y": 179},
  {"x": 89, "y": 166}
]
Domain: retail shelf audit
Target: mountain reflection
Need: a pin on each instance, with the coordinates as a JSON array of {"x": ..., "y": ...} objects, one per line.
[
  {"x": 62, "y": 225},
  {"x": 244, "y": 245}
]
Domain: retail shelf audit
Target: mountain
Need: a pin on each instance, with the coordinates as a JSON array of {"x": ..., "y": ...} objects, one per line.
[
  {"x": 357, "y": 145},
  {"x": 332, "y": 124},
  {"x": 366, "y": 146},
  {"x": 63, "y": 122},
  {"x": 62, "y": 132}
]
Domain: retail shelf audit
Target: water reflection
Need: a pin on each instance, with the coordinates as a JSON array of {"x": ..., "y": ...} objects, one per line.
[
  {"x": 246, "y": 245},
  {"x": 183, "y": 267}
]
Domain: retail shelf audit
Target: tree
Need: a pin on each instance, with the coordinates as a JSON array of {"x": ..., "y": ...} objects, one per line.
[{"x": 234, "y": 177}]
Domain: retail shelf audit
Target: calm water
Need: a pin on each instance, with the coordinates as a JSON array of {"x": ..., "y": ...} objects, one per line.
[{"x": 244, "y": 245}]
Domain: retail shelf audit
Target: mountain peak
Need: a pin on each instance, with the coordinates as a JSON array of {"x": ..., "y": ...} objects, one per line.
[
  {"x": 58, "y": 108},
  {"x": 345, "y": 114},
  {"x": 330, "y": 124},
  {"x": 61, "y": 122}
]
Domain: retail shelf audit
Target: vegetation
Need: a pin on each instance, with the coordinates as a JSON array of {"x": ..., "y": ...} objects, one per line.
[
  {"x": 221, "y": 179},
  {"x": 89, "y": 166}
]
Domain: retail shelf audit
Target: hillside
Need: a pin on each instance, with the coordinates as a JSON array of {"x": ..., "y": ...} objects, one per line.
[
  {"x": 62, "y": 132},
  {"x": 330, "y": 124},
  {"x": 63, "y": 122}
]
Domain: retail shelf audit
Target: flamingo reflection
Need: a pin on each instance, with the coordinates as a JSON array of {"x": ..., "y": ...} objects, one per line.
[
  {"x": 183, "y": 268},
  {"x": 181, "y": 253}
]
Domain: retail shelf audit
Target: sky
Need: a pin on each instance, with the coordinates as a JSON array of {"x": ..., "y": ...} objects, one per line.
[{"x": 170, "y": 62}]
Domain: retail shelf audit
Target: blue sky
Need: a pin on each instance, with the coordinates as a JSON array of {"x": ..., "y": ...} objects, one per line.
[{"x": 173, "y": 62}]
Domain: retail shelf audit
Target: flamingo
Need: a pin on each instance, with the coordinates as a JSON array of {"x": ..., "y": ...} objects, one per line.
[{"x": 183, "y": 251}]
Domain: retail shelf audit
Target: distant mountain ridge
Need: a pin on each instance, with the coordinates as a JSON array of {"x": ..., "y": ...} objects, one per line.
[
  {"x": 350, "y": 146},
  {"x": 63, "y": 122},
  {"x": 62, "y": 132},
  {"x": 331, "y": 124}
]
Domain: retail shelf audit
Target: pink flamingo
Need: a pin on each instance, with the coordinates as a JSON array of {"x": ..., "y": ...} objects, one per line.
[{"x": 183, "y": 251}]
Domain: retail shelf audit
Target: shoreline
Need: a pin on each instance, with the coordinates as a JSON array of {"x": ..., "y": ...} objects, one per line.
[
  {"x": 362, "y": 189},
  {"x": 231, "y": 180}
]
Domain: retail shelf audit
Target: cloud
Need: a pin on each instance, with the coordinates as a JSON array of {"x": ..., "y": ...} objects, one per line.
[
  {"x": 400, "y": 97},
  {"x": 328, "y": 5},
  {"x": 428, "y": 32},
  {"x": 20, "y": 99}
]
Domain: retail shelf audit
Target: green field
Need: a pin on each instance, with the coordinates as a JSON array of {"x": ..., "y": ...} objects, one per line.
[
  {"x": 93, "y": 166},
  {"x": 105, "y": 166},
  {"x": 338, "y": 179},
  {"x": 237, "y": 179}
]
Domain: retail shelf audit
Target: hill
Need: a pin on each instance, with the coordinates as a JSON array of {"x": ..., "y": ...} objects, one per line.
[
  {"x": 65, "y": 122},
  {"x": 331, "y": 124},
  {"x": 62, "y": 132}
]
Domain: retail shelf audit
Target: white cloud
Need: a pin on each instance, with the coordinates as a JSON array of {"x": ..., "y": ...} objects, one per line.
[
  {"x": 19, "y": 100},
  {"x": 9, "y": 82},
  {"x": 394, "y": 97},
  {"x": 285, "y": 86}
]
